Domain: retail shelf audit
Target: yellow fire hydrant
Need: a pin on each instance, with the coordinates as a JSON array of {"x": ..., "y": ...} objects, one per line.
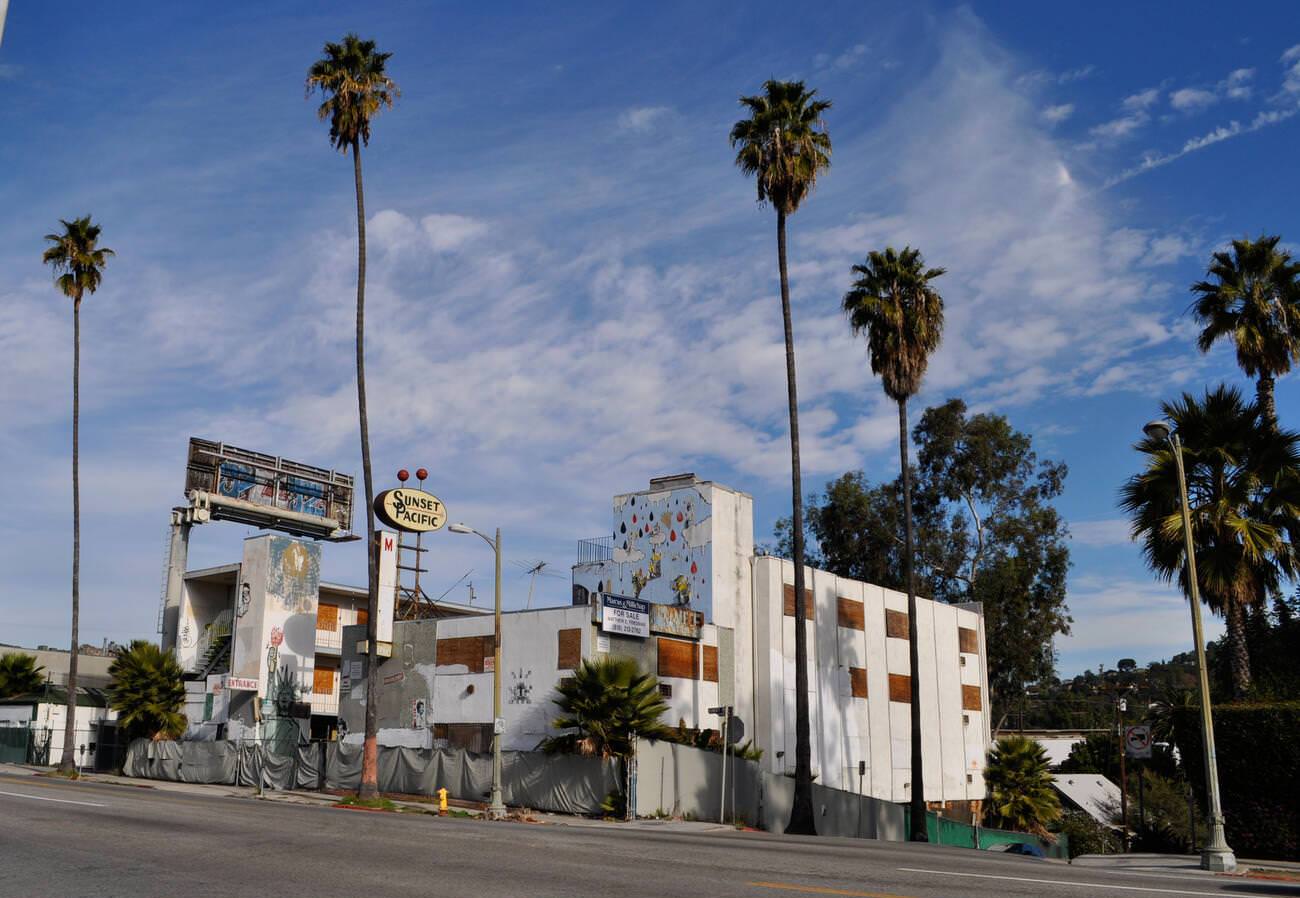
[{"x": 442, "y": 802}]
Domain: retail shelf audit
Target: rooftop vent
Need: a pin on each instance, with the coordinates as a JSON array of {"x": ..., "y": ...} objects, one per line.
[{"x": 673, "y": 481}]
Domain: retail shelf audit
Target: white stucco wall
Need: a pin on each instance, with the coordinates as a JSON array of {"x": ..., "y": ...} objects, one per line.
[{"x": 846, "y": 730}]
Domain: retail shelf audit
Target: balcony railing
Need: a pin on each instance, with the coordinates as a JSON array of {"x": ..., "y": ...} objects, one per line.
[
  {"x": 594, "y": 551},
  {"x": 325, "y": 704},
  {"x": 329, "y": 639}
]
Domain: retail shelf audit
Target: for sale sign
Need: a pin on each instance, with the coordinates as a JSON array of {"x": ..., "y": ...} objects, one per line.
[
  {"x": 1137, "y": 741},
  {"x": 625, "y": 616}
]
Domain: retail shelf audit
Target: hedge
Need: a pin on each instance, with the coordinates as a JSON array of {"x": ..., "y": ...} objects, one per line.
[{"x": 1258, "y": 748}]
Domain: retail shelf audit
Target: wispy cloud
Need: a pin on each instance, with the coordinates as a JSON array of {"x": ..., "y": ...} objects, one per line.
[
  {"x": 1136, "y": 113},
  {"x": 1102, "y": 533},
  {"x": 1284, "y": 106},
  {"x": 1191, "y": 99},
  {"x": 1040, "y": 77},
  {"x": 850, "y": 58},
  {"x": 641, "y": 119},
  {"x": 1054, "y": 115}
]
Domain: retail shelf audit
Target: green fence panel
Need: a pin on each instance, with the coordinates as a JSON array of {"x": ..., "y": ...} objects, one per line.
[
  {"x": 13, "y": 745},
  {"x": 954, "y": 833}
]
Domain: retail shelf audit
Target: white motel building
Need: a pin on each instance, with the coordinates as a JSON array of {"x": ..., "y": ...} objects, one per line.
[{"x": 675, "y": 585}]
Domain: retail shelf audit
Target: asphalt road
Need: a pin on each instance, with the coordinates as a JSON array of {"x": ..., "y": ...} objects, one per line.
[{"x": 60, "y": 838}]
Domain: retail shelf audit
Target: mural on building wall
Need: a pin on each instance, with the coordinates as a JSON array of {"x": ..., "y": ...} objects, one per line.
[
  {"x": 661, "y": 551},
  {"x": 275, "y": 635}
]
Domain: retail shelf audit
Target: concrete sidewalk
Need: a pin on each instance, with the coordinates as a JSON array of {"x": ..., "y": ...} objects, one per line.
[{"x": 1180, "y": 863}]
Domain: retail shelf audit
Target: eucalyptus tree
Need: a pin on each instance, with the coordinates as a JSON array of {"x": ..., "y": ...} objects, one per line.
[
  {"x": 784, "y": 145},
  {"x": 352, "y": 79},
  {"x": 78, "y": 262},
  {"x": 1243, "y": 487},
  {"x": 1252, "y": 297},
  {"x": 893, "y": 303}
]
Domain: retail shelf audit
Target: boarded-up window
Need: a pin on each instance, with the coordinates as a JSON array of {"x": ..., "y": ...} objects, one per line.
[
  {"x": 895, "y": 624},
  {"x": 858, "y": 681},
  {"x": 970, "y": 698},
  {"x": 850, "y": 614},
  {"x": 900, "y": 688},
  {"x": 327, "y": 617},
  {"x": 363, "y": 616},
  {"x": 678, "y": 658},
  {"x": 570, "y": 649},
  {"x": 466, "y": 651},
  {"x": 323, "y": 681},
  {"x": 711, "y": 663},
  {"x": 968, "y": 640},
  {"x": 807, "y": 602}
]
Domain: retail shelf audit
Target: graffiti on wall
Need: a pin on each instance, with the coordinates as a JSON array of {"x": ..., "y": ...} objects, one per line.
[
  {"x": 521, "y": 687},
  {"x": 295, "y": 575},
  {"x": 661, "y": 550}
]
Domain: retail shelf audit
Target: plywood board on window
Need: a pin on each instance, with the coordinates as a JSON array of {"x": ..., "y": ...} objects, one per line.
[
  {"x": 678, "y": 658},
  {"x": 327, "y": 617},
  {"x": 858, "y": 681},
  {"x": 789, "y": 601},
  {"x": 711, "y": 663},
  {"x": 850, "y": 613},
  {"x": 569, "y": 649},
  {"x": 968, "y": 640},
  {"x": 970, "y": 698},
  {"x": 363, "y": 616},
  {"x": 895, "y": 624},
  {"x": 323, "y": 681},
  {"x": 900, "y": 688},
  {"x": 466, "y": 651}
]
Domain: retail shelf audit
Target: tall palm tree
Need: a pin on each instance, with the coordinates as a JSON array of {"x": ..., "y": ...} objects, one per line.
[
  {"x": 893, "y": 303},
  {"x": 784, "y": 145},
  {"x": 1253, "y": 299},
  {"x": 1243, "y": 487},
  {"x": 1019, "y": 780},
  {"x": 352, "y": 79},
  {"x": 78, "y": 261}
]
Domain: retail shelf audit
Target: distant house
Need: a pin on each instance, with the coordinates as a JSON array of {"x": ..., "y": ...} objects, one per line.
[{"x": 1091, "y": 793}]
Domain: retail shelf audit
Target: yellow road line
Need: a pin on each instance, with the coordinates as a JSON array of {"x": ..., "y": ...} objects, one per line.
[{"x": 823, "y": 890}]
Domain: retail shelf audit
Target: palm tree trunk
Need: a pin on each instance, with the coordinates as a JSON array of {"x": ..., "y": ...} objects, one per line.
[
  {"x": 918, "y": 825},
  {"x": 802, "y": 821},
  {"x": 1238, "y": 651},
  {"x": 1264, "y": 398},
  {"x": 68, "y": 762},
  {"x": 370, "y": 751}
]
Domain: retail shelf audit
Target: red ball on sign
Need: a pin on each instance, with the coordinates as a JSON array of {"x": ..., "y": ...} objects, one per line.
[
  {"x": 403, "y": 475},
  {"x": 421, "y": 474}
]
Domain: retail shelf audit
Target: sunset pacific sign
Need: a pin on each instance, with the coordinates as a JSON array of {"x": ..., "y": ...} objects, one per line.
[{"x": 411, "y": 510}]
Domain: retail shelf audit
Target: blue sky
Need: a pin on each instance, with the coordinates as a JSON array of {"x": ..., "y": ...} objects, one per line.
[{"x": 571, "y": 288}]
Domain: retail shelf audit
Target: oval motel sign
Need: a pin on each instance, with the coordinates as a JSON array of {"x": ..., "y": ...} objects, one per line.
[{"x": 414, "y": 511}]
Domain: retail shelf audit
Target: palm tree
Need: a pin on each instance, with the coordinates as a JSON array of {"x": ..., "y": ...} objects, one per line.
[
  {"x": 605, "y": 704},
  {"x": 78, "y": 261},
  {"x": 355, "y": 87},
  {"x": 147, "y": 691},
  {"x": 902, "y": 315},
  {"x": 1253, "y": 299},
  {"x": 1019, "y": 781},
  {"x": 784, "y": 145},
  {"x": 1243, "y": 486},
  {"x": 19, "y": 674}
]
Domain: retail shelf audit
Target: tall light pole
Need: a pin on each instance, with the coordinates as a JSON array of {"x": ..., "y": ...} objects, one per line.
[
  {"x": 496, "y": 807},
  {"x": 1215, "y": 854}
]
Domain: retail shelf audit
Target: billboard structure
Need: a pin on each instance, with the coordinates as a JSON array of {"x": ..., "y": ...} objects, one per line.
[
  {"x": 226, "y": 483},
  {"x": 268, "y": 491}
]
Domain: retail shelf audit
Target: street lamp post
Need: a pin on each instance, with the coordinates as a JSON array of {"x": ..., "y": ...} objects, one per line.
[
  {"x": 496, "y": 807},
  {"x": 1215, "y": 855}
]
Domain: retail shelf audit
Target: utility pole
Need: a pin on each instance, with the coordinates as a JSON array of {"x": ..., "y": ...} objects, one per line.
[{"x": 1120, "y": 707}]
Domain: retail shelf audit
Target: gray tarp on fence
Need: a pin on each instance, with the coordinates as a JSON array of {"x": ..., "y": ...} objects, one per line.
[
  {"x": 208, "y": 762},
  {"x": 680, "y": 780},
  {"x": 564, "y": 784}
]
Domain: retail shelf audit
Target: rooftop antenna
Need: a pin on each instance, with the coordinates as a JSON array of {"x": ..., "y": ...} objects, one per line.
[{"x": 533, "y": 570}]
